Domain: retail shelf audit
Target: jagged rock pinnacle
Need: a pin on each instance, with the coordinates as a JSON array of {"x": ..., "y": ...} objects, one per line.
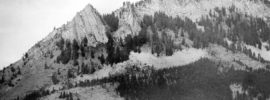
[{"x": 86, "y": 23}]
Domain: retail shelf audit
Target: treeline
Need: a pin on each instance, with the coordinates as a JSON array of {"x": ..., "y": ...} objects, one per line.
[
  {"x": 241, "y": 27},
  {"x": 67, "y": 96},
  {"x": 35, "y": 95},
  {"x": 71, "y": 51}
]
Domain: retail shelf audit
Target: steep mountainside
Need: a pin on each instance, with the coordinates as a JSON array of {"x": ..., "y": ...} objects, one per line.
[{"x": 153, "y": 49}]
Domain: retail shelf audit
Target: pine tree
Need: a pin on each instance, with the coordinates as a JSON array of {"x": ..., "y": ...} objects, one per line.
[
  {"x": 61, "y": 95},
  {"x": 78, "y": 70},
  {"x": 70, "y": 96},
  {"x": 92, "y": 54},
  {"x": 58, "y": 71},
  {"x": 26, "y": 55},
  {"x": 75, "y": 50},
  {"x": 118, "y": 58},
  {"x": 46, "y": 66},
  {"x": 102, "y": 59},
  {"x": 2, "y": 79},
  {"x": 183, "y": 41},
  {"x": 84, "y": 42},
  {"x": 19, "y": 71},
  {"x": 64, "y": 94},
  {"x": 259, "y": 57}
]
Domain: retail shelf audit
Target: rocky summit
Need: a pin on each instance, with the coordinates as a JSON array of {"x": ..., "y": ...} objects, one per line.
[{"x": 150, "y": 50}]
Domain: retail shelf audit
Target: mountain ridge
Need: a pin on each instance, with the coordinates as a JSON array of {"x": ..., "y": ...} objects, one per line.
[{"x": 88, "y": 46}]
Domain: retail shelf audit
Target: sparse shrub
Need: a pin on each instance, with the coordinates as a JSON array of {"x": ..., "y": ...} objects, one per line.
[
  {"x": 10, "y": 83},
  {"x": 13, "y": 69},
  {"x": 25, "y": 56}
]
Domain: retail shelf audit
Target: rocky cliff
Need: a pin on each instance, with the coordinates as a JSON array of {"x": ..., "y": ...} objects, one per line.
[{"x": 149, "y": 44}]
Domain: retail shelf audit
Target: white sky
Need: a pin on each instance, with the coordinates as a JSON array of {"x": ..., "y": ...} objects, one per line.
[{"x": 24, "y": 22}]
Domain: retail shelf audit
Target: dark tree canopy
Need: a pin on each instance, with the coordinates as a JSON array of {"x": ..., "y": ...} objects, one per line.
[{"x": 112, "y": 21}]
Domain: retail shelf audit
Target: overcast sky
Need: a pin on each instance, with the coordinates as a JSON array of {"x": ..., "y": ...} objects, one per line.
[{"x": 24, "y": 22}]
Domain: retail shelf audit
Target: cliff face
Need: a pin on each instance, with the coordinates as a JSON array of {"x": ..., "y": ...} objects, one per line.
[
  {"x": 35, "y": 68},
  {"x": 87, "y": 23},
  {"x": 151, "y": 35},
  {"x": 130, "y": 15}
]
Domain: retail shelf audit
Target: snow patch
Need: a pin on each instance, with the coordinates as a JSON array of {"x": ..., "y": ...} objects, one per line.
[
  {"x": 179, "y": 58},
  {"x": 102, "y": 73},
  {"x": 265, "y": 54}
]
